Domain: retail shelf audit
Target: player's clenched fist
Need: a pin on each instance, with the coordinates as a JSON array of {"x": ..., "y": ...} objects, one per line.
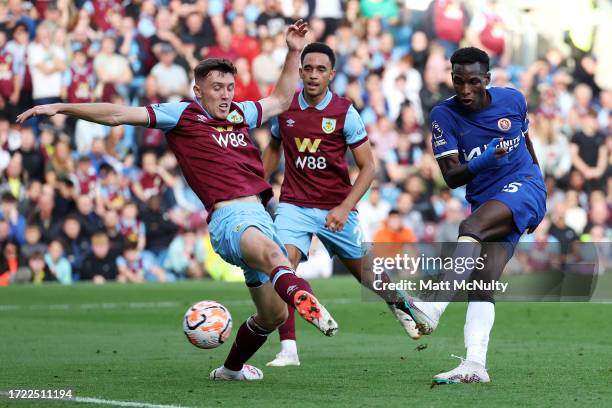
[{"x": 493, "y": 156}]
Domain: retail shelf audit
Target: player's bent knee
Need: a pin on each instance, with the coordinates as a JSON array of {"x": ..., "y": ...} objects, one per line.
[
  {"x": 471, "y": 228},
  {"x": 274, "y": 320},
  {"x": 273, "y": 256}
]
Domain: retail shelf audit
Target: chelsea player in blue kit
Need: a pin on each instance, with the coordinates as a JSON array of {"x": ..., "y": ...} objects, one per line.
[{"x": 480, "y": 140}]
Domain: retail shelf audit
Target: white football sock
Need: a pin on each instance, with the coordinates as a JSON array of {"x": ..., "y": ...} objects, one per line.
[
  {"x": 289, "y": 346},
  {"x": 479, "y": 321},
  {"x": 467, "y": 247},
  {"x": 231, "y": 373}
]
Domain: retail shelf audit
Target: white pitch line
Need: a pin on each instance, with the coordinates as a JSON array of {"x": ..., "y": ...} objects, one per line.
[
  {"x": 88, "y": 400},
  {"x": 138, "y": 305}
]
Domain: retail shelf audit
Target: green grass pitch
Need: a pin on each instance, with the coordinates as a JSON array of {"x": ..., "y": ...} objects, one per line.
[{"x": 126, "y": 343}]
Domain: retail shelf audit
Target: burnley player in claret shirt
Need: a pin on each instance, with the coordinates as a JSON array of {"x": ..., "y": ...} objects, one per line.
[
  {"x": 209, "y": 136},
  {"x": 317, "y": 197}
]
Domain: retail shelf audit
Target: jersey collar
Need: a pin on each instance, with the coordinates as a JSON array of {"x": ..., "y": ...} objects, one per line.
[
  {"x": 208, "y": 115},
  {"x": 320, "y": 106}
]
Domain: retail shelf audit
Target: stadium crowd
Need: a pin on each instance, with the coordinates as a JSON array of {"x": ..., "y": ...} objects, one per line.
[{"x": 81, "y": 201}]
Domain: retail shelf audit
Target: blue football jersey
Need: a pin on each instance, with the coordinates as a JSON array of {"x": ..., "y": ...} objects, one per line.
[{"x": 456, "y": 130}]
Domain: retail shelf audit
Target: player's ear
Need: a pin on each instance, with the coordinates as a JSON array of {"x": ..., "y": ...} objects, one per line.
[
  {"x": 487, "y": 78},
  {"x": 332, "y": 74},
  {"x": 197, "y": 91}
]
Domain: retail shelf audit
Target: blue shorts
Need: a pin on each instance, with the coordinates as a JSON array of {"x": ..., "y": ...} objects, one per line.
[
  {"x": 226, "y": 228},
  {"x": 296, "y": 225},
  {"x": 525, "y": 195}
]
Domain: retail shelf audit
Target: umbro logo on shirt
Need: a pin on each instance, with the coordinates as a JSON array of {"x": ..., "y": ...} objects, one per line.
[
  {"x": 201, "y": 118},
  {"x": 290, "y": 122}
]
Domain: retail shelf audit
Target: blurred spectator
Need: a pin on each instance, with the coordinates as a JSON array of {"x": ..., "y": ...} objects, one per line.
[
  {"x": 589, "y": 153},
  {"x": 33, "y": 243},
  {"x": 246, "y": 88},
  {"x": 79, "y": 80},
  {"x": 132, "y": 229},
  {"x": 10, "y": 82},
  {"x": 99, "y": 266},
  {"x": 550, "y": 147},
  {"x": 559, "y": 229},
  {"x": 410, "y": 217},
  {"x": 111, "y": 195},
  {"x": 223, "y": 47},
  {"x": 372, "y": 212},
  {"x": 160, "y": 229},
  {"x": 47, "y": 63},
  {"x": 112, "y": 231},
  {"x": 135, "y": 266},
  {"x": 16, "y": 221},
  {"x": 88, "y": 219},
  {"x": 17, "y": 47},
  {"x": 36, "y": 270},
  {"x": 448, "y": 229},
  {"x": 112, "y": 71},
  {"x": 186, "y": 257},
  {"x": 448, "y": 20},
  {"x": 393, "y": 230},
  {"x": 400, "y": 162},
  {"x": 489, "y": 31},
  {"x": 270, "y": 21},
  {"x": 172, "y": 80},
  {"x": 247, "y": 46},
  {"x": 56, "y": 262},
  {"x": 33, "y": 161},
  {"x": 76, "y": 243}
]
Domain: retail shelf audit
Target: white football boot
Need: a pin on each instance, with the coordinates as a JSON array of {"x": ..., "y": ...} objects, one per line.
[
  {"x": 248, "y": 373},
  {"x": 425, "y": 317},
  {"x": 402, "y": 313},
  {"x": 311, "y": 310},
  {"x": 284, "y": 359},
  {"x": 468, "y": 372}
]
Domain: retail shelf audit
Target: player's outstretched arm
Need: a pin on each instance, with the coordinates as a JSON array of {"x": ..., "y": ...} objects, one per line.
[
  {"x": 280, "y": 99},
  {"x": 271, "y": 157},
  {"x": 103, "y": 113}
]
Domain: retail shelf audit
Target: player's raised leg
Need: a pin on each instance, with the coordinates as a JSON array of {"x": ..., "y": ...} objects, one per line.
[
  {"x": 271, "y": 313},
  {"x": 493, "y": 220},
  {"x": 262, "y": 254},
  {"x": 288, "y": 355}
]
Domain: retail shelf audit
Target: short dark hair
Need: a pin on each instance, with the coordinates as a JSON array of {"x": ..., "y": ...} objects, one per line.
[
  {"x": 470, "y": 55},
  {"x": 322, "y": 48},
  {"x": 213, "y": 64},
  {"x": 8, "y": 197}
]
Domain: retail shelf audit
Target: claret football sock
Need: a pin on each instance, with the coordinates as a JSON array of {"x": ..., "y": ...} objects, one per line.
[
  {"x": 287, "y": 283},
  {"x": 250, "y": 337},
  {"x": 287, "y": 330}
]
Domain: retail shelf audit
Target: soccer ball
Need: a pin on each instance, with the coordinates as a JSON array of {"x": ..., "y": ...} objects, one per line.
[{"x": 207, "y": 324}]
